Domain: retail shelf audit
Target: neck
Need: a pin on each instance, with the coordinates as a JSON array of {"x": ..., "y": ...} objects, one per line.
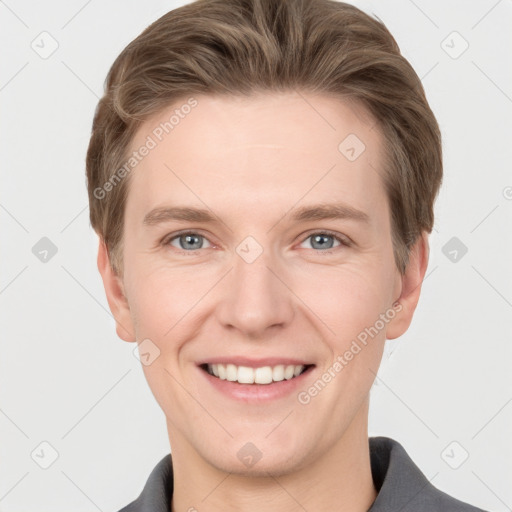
[{"x": 339, "y": 479}]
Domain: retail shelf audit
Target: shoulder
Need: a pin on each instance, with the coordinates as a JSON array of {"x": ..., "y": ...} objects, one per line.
[
  {"x": 157, "y": 492},
  {"x": 402, "y": 486}
]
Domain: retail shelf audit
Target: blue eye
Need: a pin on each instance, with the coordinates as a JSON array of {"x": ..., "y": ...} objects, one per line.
[
  {"x": 191, "y": 241},
  {"x": 188, "y": 241},
  {"x": 324, "y": 241}
]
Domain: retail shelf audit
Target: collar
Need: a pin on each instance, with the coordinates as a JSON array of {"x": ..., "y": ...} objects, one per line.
[{"x": 400, "y": 484}]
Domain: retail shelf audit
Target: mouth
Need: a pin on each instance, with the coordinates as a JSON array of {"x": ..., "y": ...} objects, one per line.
[{"x": 262, "y": 375}]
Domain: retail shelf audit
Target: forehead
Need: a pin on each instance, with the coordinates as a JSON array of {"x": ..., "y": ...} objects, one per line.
[{"x": 267, "y": 152}]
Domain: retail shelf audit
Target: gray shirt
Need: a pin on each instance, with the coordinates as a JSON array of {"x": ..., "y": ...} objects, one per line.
[{"x": 401, "y": 485}]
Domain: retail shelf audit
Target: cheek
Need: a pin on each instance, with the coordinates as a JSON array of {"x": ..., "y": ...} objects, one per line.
[
  {"x": 162, "y": 298},
  {"x": 349, "y": 299},
  {"x": 350, "y": 302},
  {"x": 164, "y": 307},
  {"x": 352, "y": 309}
]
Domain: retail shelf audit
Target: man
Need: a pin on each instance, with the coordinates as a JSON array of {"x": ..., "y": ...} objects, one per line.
[{"x": 262, "y": 175}]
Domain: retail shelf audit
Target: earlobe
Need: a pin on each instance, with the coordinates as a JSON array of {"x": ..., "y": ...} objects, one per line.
[
  {"x": 412, "y": 280},
  {"x": 117, "y": 301}
]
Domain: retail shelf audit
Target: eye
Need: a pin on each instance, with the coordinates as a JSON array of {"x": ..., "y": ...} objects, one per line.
[
  {"x": 189, "y": 241},
  {"x": 325, "y": 241}
]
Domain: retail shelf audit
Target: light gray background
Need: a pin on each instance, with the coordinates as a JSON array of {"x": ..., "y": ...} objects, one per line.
[{"x": 65, "y": 378}]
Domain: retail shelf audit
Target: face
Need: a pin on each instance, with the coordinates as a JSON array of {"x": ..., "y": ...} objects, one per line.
[{"x": 257, "y": 254}]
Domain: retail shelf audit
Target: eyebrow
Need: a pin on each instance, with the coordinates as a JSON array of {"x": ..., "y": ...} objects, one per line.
[
  {"x": 159, "y": 215},
  {"x": 305, "y": 213},
  {"x": 330, "y": 211}
]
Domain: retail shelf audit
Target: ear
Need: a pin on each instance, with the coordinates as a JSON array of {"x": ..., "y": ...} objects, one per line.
[
  {"x": 114, "y": 290},
  {"x": 411, "y": 282}
]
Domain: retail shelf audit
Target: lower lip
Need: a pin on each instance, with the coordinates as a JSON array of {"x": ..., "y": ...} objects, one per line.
[{"x": 257, "y": 392}]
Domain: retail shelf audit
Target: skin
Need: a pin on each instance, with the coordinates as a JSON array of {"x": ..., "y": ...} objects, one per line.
[{"x": 278, "y": 152}]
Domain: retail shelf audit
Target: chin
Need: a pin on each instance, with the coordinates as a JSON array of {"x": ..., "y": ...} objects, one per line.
[{"x": 260, "y": 458}]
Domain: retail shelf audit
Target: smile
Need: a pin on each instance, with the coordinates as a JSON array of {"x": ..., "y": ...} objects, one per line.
[{"x": 249, "y": 375}]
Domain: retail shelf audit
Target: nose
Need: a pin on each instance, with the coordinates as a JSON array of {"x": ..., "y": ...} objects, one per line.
[{"x": 255, "y": 298}]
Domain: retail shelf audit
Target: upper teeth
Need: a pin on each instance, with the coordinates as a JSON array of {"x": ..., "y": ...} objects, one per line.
[{"x": 247, "y": 375}]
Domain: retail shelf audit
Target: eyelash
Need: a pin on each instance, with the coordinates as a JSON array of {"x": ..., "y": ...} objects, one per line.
[{"x": 344, "y": 241}]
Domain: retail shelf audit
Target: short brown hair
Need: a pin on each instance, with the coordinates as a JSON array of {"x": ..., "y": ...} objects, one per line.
[{"x": 238, "y": 47}]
